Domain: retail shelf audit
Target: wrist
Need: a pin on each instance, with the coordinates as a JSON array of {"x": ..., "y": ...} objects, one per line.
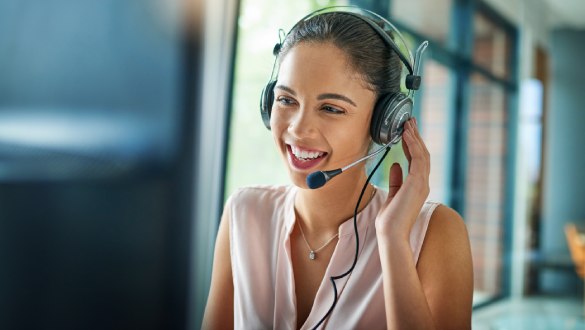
[
  {"x": 396, "y": 248},
  {"x": 390, "y": 237},
  {"x": 388, "y": 229}
]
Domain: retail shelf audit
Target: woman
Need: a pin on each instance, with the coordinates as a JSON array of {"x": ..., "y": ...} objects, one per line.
[{"x": 277, "y": 247}]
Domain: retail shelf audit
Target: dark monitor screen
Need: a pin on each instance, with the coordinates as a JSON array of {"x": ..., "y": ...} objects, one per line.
[{"x": 96, "y": 164}]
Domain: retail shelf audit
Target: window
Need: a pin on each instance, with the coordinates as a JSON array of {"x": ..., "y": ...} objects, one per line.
[
  {"x": 252, "y": 157},
  {"x": 429, "y": 17},
  {"x": 491, "y": 46},
  {"x": 436, "y": 118},
  {"x": 484, "y": 191}
]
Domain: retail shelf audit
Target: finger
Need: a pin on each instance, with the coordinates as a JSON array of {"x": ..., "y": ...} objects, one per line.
[
  {"x": 395, "y": 179},
  {"x": 418, "y": 162},
  {"x": 404, "y": 144},
  {"x": 426, "y": 154},
  {"x": 419, "y": 137}
]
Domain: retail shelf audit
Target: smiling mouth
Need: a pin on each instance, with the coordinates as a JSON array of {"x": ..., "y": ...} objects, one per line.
[
  {"x": 306, "y": 154},
  {"x": 304, "y": 159}
]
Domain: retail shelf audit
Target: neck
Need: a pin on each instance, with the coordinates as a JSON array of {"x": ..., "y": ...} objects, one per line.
[{"x": 323, "y": 210}]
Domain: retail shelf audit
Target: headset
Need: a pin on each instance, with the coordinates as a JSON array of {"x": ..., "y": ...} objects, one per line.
[{"x": 391, "y": 110}]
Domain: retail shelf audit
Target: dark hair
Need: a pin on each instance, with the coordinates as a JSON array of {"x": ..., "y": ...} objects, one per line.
[{"x": 368, "y": 54}]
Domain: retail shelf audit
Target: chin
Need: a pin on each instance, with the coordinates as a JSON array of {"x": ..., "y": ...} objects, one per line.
[{"x": 298, "y": 179}]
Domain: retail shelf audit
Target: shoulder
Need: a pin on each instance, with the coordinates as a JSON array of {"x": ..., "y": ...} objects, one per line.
[
  {"x": 419, "y": 234},
  {"x": 446, "y": 240},
  {"x": 445, "y": 269},
  {"x": 446, "y": 224},
  {"x": 259, "y": 195},
  {"x": 261, "y": 205}
]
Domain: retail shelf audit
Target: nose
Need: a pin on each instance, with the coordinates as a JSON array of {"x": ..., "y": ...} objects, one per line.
[{"x": 303, "y": 123}]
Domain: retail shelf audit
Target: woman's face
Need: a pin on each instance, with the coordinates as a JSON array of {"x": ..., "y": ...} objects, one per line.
[{"x": 322, "y": 109}]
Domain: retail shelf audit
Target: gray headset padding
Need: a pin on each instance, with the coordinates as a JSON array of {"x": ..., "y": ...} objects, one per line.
[{"x": 386, "y": 107}]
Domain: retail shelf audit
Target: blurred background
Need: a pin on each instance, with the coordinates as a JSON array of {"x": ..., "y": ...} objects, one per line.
[{"x": 124, "y": 126}]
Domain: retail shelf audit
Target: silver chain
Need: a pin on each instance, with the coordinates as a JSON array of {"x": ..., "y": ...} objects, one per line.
[{"x": 312, "y": 253}]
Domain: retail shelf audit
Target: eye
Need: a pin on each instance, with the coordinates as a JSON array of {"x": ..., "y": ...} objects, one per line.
[
  {"x": 332, "y": 110},
  {"x": 284, "y": 100}
]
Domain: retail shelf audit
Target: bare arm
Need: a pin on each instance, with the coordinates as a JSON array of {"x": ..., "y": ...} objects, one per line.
[
  {"x": 436, "y": 293},
  {"x": 219, "y": 312},
  {"x": 445, "y": 270}
]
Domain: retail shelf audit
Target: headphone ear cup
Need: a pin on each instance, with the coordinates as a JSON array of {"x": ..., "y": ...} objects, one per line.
[
  {"x": 379, "y": 113},
  {"x": 390, "y": 114},
  {"x": 266, "y": 100}
]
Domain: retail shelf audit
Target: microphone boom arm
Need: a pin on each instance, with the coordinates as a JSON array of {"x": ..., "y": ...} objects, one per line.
[
  {"x": 382, "y": 148},
  {"x": 318, "y": 179}
]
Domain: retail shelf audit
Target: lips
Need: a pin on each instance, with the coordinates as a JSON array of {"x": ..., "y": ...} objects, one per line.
[{"x": 303, "y": 158}]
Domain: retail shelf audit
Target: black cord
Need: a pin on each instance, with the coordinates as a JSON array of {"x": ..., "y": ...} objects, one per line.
[{"x": 357, "y": 241}]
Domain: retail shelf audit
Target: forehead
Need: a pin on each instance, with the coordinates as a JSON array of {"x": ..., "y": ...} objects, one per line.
[{"x": 319, "y": 67}]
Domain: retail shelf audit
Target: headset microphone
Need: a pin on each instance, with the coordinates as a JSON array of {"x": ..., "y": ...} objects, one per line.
[{"x": 320, "y": 178}]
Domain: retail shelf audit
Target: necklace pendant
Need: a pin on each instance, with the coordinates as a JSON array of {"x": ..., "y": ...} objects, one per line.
[{"x": 312, "y": 255}]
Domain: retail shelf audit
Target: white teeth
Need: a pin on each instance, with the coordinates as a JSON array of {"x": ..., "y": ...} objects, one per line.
[{"x": 306, "y": 154}]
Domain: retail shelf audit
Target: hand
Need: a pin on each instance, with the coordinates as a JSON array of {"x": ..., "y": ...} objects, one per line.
[{"x": 405, "y": 199}]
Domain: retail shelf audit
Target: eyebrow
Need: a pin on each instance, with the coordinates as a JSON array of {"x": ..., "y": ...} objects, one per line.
[
  {"x": 324, "y": 96},
  {"x": 336, "y": 97}
]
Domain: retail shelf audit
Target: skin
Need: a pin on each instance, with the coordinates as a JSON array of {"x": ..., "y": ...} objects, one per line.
[{"x": 321, "y": 104}]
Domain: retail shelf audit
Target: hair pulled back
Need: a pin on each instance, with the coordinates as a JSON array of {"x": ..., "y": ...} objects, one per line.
[{"x": 368, "y": 54}]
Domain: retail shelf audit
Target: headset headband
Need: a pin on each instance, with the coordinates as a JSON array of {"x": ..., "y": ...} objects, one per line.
[
  {"x": 392, "y": 109},
  {"x": 412, "y": 79}
]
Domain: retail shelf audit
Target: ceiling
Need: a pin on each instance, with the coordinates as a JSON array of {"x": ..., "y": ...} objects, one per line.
[{"x": 567, "y": 13}]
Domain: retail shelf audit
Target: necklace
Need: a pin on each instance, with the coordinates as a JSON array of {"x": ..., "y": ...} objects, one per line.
[{"x": 313, "y": 253}]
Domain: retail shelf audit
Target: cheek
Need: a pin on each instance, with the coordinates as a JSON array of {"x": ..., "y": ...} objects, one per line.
[
  {"x": 363, "y": 140},
  {"x": 280, "y": 119},
  {"x": 353, "y": 137},
  {"x": 275, "y": 120},
  {"x": 360, "y": 129},
  {"x": 278, "y": 124}
]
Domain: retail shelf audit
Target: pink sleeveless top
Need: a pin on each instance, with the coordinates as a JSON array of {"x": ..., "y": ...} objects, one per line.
[{"x": 261, "y": 220}]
